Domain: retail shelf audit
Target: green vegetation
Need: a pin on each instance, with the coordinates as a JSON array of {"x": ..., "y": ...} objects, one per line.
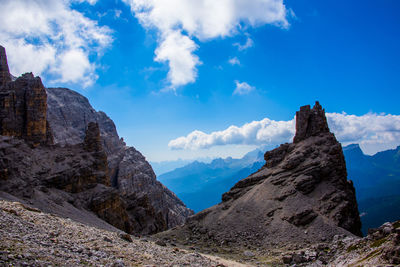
[
  {"x": 352, "y": 248},
  {"x": 378, "y": 243}
]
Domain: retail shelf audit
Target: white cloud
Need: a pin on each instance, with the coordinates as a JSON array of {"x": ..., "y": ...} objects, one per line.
[
  {"x": 234, "y": 61},
  {"x": 242, "y": 88},
  {"x": 249, "y": 43},
  {"x": 177, "y": 49},
  {"x": 201, "y": 19},
  {"x": 372, "y": 131},
  {"x": 49, "y": 38}
]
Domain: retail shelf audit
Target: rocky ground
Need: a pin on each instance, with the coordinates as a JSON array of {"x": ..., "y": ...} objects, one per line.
[
  {"x": 380, "y": 248},
  {"x": 29, "y": 237}
]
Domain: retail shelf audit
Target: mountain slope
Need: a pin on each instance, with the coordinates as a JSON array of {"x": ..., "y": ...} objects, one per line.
[
  {"x": 300, "y": 196},
  {"x": 89, "y": 169}
]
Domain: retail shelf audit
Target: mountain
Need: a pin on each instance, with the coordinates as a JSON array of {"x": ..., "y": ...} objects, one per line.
[
  {"x": 59, "y": 154},
  {"x": 377, "y": 182},
  {"x": 301, "y": 196},
  {"x": 197, "y": 179},
  {"x": 161, "y": 167}
]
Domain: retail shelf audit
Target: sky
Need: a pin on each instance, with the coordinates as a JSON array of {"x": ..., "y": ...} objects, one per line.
[{"x": 201, "y": 78}]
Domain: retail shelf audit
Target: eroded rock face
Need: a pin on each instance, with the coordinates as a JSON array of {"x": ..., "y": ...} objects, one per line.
[
  {"x": 300, "y": 196},
  {"x": 4, "y": 71},
  {"x": 148, "y": 201},
  {"x": 86, "y": 168},
  {"x": 23, "y": 106}
]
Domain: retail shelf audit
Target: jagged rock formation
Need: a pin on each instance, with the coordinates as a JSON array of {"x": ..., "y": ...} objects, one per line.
[
  {"x": 4, "y": 71},
  {"x": 23, "y": 106},
  {"x": 151, "y": 205},
  {"x": 301, "y": 196},
  {"x": 88, "y": 169}
]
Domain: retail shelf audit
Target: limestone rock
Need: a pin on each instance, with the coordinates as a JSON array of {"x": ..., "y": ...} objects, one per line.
[
  {"x": 23, "y": 107},
  {"x": 300, "y": 196},
  {"x": 87, "y": 159},
  {"x": 4, "y": 71},
  {"x": 69, "y": 113},
  {"x": 310, "y": 122}
]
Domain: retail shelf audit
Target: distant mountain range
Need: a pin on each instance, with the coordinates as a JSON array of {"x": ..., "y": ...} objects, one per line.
[
  {"x": 200, "y": 185},
  {"x": 377, "y": 182},
  {"x": 376, "y": 179}
]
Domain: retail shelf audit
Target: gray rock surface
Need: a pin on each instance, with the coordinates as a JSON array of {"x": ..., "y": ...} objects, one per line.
[
  {"x": 301, "y": 196},
  {"x": 156, "y": 207},
  {"x": 89, "y": 167},
  {"x": 29, "y": 237}
]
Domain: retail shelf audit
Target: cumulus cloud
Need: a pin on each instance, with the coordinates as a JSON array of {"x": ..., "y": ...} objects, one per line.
[
  {"x": 179, "y": 22},
  {"x": 242, "y": 88},
  {"x": 234, "y": 61},
  {"x": 374, "y": 132},
  {"x": 265, "y": 131},
  {"x": 49, "y": 37}
]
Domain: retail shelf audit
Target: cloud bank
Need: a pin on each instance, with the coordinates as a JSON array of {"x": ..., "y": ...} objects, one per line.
[
  {"x": 179, "y": 22},
  {"x": 48, "y": 36},
  {"x": 374, "y": 132}
]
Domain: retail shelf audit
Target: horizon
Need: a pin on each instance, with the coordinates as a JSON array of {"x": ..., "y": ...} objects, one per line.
[{"x": 194, "y": 84}]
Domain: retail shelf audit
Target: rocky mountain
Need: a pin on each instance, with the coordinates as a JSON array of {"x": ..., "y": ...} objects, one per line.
[
  {"x": 197, "y": 179},
  {"x": 69, "y": 113},
  {"x": 300, "y": 196},
  {"x": 57, "y": 153}
]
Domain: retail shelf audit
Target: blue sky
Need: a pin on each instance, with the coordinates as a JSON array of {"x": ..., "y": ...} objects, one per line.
[{"x": 343, "y": 53}]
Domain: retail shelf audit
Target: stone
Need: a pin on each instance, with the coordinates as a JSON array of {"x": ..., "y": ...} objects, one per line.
[
  {"x": 161, "y": 243},
  {"x": 287, "y": 259},
  {"x": 126, "y": 237},
  {"x": 248, "y": 253}
]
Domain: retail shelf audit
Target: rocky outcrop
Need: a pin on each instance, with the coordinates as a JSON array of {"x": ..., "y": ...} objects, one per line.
[
  {"x": 89, "y": 167},
  {"x": 151, "y": 206},
  {"x": 5, "y": 76},
  {"x": 301, "y": 196},
  {"x": 23, "y": 106}
]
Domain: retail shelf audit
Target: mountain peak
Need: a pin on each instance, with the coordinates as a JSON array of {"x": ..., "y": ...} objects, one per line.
[
  {"x": 4, "y": 71},
  {"x": 310, "y": 122}
]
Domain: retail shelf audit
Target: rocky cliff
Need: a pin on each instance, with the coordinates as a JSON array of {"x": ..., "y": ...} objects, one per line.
[
  {"x": 88, "y": 169},
  {"x": 23, "y": 105},
  {"x": 301, "y": 196},
  {"x": 151, "y": 205}
]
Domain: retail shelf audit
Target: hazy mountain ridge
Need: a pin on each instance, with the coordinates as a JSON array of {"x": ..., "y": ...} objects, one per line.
[{"x": 197, "y": 179}]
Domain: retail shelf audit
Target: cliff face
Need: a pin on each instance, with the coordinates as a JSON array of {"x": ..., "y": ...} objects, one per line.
[
  {"x": 89, "y": 167},
  {"x": 23, "y": 106},
  {"x": 151, "y": 206},
  {"x": 301, "y": 195}
]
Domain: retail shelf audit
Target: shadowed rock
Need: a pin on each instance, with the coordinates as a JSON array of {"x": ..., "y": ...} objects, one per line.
[
  {"x": 310, "y": 122},
  {"x": 151, "y": 205},
  {"x": 23, "y": 106},
  {"x": 4, "y": 71}
]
